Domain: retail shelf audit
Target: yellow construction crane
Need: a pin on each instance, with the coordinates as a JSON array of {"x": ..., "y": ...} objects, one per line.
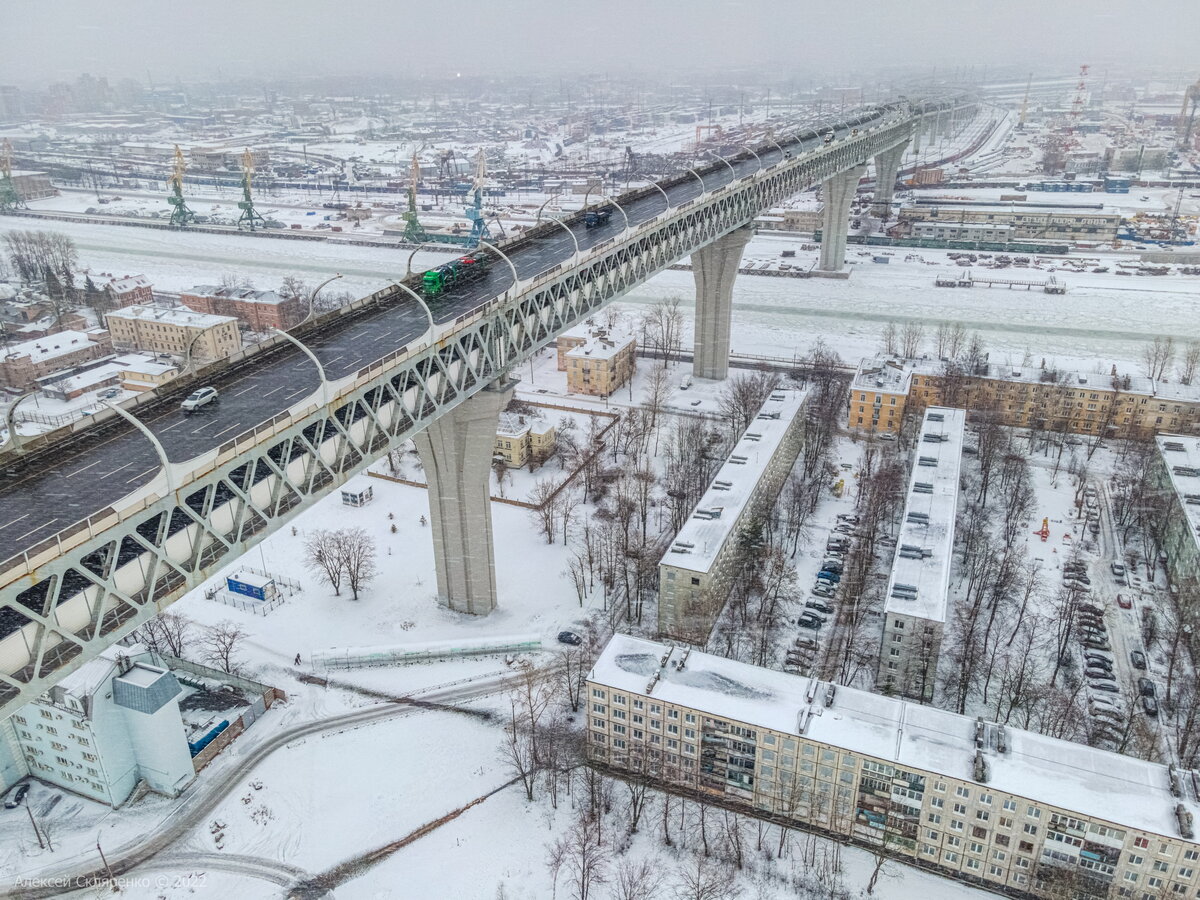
[
  {"x": 1191, "y": 94},
  {"x": 250, "y": 217},
  {"x": 181, "y": 216}
]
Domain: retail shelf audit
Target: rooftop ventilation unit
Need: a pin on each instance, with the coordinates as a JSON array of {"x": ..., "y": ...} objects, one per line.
[
  {"x": 922, "y": 487},
  {"x": 935, "y": 417},
  {"x": 916, "y": 518},
  {"x": 931, "y": 437},
  {"x": 927, "y": 461},
  {"x": 1174, "y": 446},
  {"x": 752, "y": 436},
  {"x": 1186, "y": 471},
  {"x": 769, "y": 415}
]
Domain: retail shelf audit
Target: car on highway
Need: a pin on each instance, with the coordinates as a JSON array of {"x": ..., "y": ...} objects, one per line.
[
  {"x": 16, "y": 795},
  {"x": 569, "y": 637},
  {"x": 199, "y": 398},
  {"x": 1138, "y": 659},
  {"x": 1124, "y": 602}
]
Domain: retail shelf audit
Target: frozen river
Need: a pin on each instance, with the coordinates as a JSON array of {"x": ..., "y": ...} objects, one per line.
[{"x": 1103, "y": 318}]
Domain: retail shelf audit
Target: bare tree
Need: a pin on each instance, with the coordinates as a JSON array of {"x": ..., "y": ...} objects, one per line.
[
  {"x": 544, "y": 498},
  {"x": 743, "y": 396},
  {"x": 705, "y": 879},
  {"x": 356, "y": 551},
  {"x": 1190, "y": 363},
  {"x": 638, "y": 880},
  {"x": 583, "y": 855},
  {"x": 1158, "y": 356},
  {"x": 221, "y": 644},
  {"x": 887, "y": 339},
  {"x": 322, "y": 555},
  {"x": 911, "y": 338}
]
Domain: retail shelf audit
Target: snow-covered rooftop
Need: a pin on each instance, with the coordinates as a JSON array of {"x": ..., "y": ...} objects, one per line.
[
  {"x": 1108, "y": 786},
  {"x": 171, "y": 316},
  {"x": 598, "y": 343},
  {"x": 248, "y": 295},
  {"x": 920, "y": 575},
  {"x": 52, "y": 345},
  {"x": 1181, "y": 455},
  {"x": 890, "y": 375},
  {"x": 515, "y": 425},
  {"x": 705, "y": 532}
]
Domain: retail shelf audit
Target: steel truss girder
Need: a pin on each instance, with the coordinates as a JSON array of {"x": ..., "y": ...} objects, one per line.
[{"x": 85, "y": 599}]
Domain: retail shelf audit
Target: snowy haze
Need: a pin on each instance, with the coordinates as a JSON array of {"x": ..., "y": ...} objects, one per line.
[{"x": 276, "y": 38}]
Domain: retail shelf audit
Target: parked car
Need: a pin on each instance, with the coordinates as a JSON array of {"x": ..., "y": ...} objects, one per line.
[
  {"x": 1097, "y": 656},
  {"x": 1150, "y": 705},
  {"x": 832, "y": 565},
  {"x": 1147, "y": 688},
  {"x": 1090, "y": 608},
  {"x": 1138, "y": 658},
  {"x": 109, "y": 393},
  {"x": 199, "y": 398},
  {"x": 824, "y": 589},
  {"x": 16, "y": 795},
  {"x": 819, "y": 606},
  {"x": 827, "y": 575},
  {"x": 1097, "y": 645},
  {"x": 1100, "y": 665},
  {"x": 810, "y": 622},
  {"x": 1099, "y": 675},
  {"x": 1118, "y": 569},
  {"x": 1107, "y": 686},
  {"x": 846, "y": 517},
  {"x": 569, "y": 637},
  {"x": 1124, "y": 602}
]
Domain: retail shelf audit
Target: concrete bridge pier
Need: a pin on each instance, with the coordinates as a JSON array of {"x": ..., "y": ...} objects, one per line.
[
  {"x": 456, "y": 451},
  {"x": 715, "y": 267},
  {"x": 887, "y": 165},
  {"x": 838, "y": 191}
]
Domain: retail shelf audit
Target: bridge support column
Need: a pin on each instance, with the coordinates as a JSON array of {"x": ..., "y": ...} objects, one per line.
[
  {"x": 838, "y": 191},
  {"x": 456, "y": 451},
  {"x": 887, "y": 165},
  {"x": 715, "y": 267}
]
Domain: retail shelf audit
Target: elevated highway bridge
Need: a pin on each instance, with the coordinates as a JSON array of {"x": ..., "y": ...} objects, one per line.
[{"x": 105, "y": 525}]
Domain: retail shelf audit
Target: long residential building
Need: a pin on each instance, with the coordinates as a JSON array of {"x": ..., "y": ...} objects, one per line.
[
  {"x": 919, "y": 586},
  {"x": 697, "y": 571},
  {"x": 1006, "y": 809},
  {"x": 1179, "y": 482},
  {"x": 1053, "y": 400},
  {"x": 173, "y": 330},
  {"x": 1013, "y": 221}
]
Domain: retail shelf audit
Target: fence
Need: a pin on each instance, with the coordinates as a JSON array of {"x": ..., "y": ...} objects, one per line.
[
  {"x": 287, "y": 586},
  {"x": 364, "y": 657},
  {"x": 263, "y": 698}
]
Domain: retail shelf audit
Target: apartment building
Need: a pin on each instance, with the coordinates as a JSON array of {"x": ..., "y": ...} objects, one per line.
[
  {"x": 917, "y": 598},
  {"x": 520, "y": 439},
  {"x": 696, "y": 573},
  {"x": 110, "y": 724},
  {"x": 1025, "y": 222},
  {"x": 26, "y": 362},
  {"x": 1179, "y": 481},
  {"x": 596, "y": 361},
  {"x": 128, "y": 290},
  {"x": 1005, "y": 809},
  {"x": 1028, "y": 397},
  {"x": 878, "y": 394},
  {"x": 260, "y": 310},
  {"x": 174, "y": 330}
]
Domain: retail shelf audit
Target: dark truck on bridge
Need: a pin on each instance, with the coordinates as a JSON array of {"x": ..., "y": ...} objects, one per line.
[{"x": 595, "y": 217}]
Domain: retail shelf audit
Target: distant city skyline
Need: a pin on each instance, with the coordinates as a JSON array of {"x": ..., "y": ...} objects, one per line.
[{"x": 273, "y": 39}]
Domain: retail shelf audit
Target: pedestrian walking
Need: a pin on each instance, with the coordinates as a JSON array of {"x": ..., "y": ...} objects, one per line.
[{"x": 297, "y": 659}]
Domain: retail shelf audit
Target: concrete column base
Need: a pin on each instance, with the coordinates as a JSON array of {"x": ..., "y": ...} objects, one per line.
[
  {"x": 838, "y": 191},
  {"x": 456, "y": 452},
  {"x": 715, "y": 267}
]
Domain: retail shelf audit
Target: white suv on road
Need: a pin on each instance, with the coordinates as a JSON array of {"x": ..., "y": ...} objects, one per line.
[{"x": 199, "y": 398}]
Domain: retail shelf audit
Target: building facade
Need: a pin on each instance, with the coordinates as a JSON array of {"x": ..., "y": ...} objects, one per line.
[
  {"x": 1178, "y": 479},
  {"x": 107, "y": 726},
  {"x": 173, "y": 331},
  {"x": 26, "y": 362},
  {"x": 1005, "y": 809},
  {"x": 523, "y": 439},
  {"x": 128, "y": 290},
  {"x": 1024, "y": 223},
  {"x": 915, "y": 607},
  {"x": 596, "y": 361},
  {"x": 696, "y": 573},
  {"x": 1053, "y": 400},
  {"x": 259, "y": 310}
]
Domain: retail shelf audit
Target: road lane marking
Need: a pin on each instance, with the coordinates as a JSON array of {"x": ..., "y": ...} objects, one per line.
[
  {"x": 14, "y": 521},
  {"x": 275, "y": 391},
  {"x": 141, "y": 474},
  {"x": 84, "y": 469},
  {"x": 32, "y": 530},
  {"x": 115, "y": 471},
  {"x": 176, "y": 425},
  {"x": 230, "y": 428},
  {"x": 243, "y": 391}
]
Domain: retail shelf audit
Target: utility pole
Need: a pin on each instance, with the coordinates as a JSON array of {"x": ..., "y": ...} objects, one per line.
[
  {"x": 37, "y": 831},
  {"x": 111, "y": 880}
]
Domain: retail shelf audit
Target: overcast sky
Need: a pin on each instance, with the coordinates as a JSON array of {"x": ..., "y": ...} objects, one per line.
[{"x": 49, "y": 40}]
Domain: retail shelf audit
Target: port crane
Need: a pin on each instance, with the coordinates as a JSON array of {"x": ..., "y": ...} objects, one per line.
[
  {"x": 181, "y": 215},
  {"x": 250, "y": 216}
]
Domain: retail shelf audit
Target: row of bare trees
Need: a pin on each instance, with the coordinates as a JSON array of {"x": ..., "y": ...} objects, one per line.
[{"x": 170, "y": 634}]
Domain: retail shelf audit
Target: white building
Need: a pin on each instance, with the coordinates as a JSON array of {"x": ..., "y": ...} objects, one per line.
[
  {"x": 915, "y": 608},
  {"x": 110, "y": 724},
  {"x": 696, "y": 572}
]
